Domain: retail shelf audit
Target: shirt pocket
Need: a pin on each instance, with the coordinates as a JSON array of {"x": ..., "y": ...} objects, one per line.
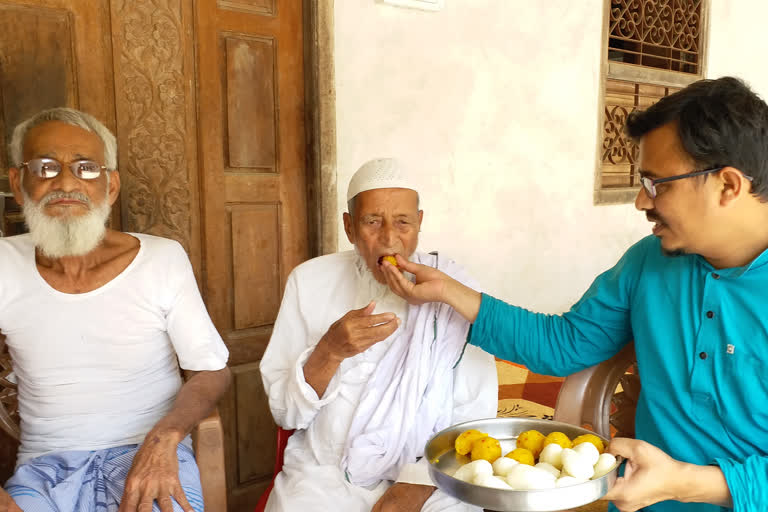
[{"x": 743, "y": 393}]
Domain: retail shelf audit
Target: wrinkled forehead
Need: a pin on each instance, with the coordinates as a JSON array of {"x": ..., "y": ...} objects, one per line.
[
  {"x": 56, "y": 139},
  {"x": 392, "y": 201}
]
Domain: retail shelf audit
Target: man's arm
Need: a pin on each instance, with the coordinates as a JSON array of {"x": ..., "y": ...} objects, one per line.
[
  {"x": 352, "y": 334},
  {"x": 651, "y": 476},
  {"x": 595, "y": 328},
  {"x": 299, "y": 364},
  {"x": 154, "y": 475},
  {"x": 432, "y": 285}
]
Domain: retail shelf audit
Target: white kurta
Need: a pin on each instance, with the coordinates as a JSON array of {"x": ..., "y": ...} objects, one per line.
[{"x": 318, "y": 293}]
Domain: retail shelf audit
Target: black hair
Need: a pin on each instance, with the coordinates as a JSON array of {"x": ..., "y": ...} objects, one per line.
[{"x": 720, "y": 122}]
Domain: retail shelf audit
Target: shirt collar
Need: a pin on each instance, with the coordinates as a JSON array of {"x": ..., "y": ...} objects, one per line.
[{"x": 760, "y": 261}]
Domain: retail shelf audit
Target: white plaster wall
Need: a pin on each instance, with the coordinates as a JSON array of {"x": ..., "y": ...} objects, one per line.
[{"x": 494, "y": 102}]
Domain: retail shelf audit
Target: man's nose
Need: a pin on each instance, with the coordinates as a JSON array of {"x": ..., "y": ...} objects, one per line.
[
  {"x": 643, "y": 201},
  {"x": 66, "y": 180},
  {"x": 387, "y": 235}
]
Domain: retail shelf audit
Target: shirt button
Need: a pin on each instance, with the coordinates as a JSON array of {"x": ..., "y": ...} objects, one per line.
[
  {"x": 715, "y": 275},
  {"x": 703, "y": 355},
  {"x": 710, "y": 314}
]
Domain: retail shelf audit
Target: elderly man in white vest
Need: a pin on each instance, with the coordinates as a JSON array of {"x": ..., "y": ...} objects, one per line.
[
  {"x": 364, "y": 378},
  {"x": 98, "y": 323}
]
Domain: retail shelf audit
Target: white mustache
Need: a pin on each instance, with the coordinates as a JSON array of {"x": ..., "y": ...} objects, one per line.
[{"x": 60, "y": 194}]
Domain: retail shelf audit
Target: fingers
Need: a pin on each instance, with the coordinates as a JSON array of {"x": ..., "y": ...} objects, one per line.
[
  {"x": 615, "y": 491},
  {"x": 130, "y": 500},
  {"x": 372, "y": 320},
  {"x": 181, "y": 499},
  {"x": 625, "y": 447},
  {"x": 365, "y": 311},
  {"x": 382, "y": 331},
  {"x": 406, "y": 265},
  {"x": 396, "y": 281},
  {"x": 164, "y": 502}
]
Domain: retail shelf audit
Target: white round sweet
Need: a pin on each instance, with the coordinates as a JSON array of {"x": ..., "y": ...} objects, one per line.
[
  {"x": 468, "y": 472},
  {"x": 487, "y": 480},
  {"x": 589, "y": 451},
  {"x": 552, "y": 454},
  {"x": 567, "y": 480},
  {"x": 577, "y": 465},
  {"x": 503, "y": 465},
  {"x": 605, "y": 464},
  {"x": 525, "y": 477},
  {"x": 546, "y": 466}
]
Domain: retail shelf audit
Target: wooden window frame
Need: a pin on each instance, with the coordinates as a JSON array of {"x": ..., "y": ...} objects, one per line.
[{"x": 643, "y": 75}]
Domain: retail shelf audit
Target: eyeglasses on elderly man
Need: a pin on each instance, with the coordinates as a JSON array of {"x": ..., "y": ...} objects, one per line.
[{"x": 48, "y": 168}]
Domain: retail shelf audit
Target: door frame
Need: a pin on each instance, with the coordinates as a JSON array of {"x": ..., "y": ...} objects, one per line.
[{"x": 320, "y": 101}]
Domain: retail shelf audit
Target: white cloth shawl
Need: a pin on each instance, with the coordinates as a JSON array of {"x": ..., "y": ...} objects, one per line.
[{"x": 409, "y": 396}]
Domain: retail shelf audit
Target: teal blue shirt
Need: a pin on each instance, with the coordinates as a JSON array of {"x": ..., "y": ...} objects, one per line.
[{"x": 701, "y": 337}]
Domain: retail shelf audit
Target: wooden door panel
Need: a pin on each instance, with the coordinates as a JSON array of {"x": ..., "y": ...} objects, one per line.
[
  {"x": 250, "y": 89},
  {"x": 253, "y": 168},
  {"x": 256, "y": 264},
  {"x": 53, "y": 53}
]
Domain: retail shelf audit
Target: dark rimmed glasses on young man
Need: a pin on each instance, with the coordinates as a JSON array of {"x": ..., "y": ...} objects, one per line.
[
  {"x": 47, "y": 168},
  {"x": 649, "y": 184}
]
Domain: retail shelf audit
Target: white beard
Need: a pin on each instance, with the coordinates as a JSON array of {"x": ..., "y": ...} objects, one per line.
[
  {"x": 59, "y": 237},
  {"x": 368, "y": 289}
]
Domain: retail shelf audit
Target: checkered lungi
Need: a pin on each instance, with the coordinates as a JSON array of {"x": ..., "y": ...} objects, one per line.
[{"x": 90, "y": 481}]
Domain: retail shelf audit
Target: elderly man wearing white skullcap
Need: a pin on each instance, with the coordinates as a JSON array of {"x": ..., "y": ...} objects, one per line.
[{"x": 364, "y": 378}]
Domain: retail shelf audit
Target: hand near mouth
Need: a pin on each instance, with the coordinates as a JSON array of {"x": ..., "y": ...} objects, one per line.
[{"x": 391, "y": 259}]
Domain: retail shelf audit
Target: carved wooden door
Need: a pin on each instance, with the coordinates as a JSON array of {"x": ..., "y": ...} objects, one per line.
[{"x": 252, "y": 165}]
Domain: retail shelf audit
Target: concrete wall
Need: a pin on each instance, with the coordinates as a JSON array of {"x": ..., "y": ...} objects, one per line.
[{"x": 494, "y": 102}]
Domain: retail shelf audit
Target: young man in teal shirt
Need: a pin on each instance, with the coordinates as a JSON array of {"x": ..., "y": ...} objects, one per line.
[{"x": 694, "y": 297}]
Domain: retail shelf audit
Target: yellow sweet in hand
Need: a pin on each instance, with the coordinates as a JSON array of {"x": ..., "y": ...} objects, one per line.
[
  {"x": 522, "y": 455},
  {"x": 558, "y": 438},
  {"x": 590, "y": 438},
  {"x": 486, "y": 448},
  {"x": 531, "y": 440},
  {"x": 465, "y": 440},
  {"x": 390, "y": 259}
]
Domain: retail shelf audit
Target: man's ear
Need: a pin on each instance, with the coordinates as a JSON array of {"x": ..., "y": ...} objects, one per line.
[
  {"x": 421, "y": 218},
  {"x": 14, "y": 178},
  {"x": 348, "y": 229},
  {"x": 114, "y": 187},
  {"x": 733, "y": 185}
]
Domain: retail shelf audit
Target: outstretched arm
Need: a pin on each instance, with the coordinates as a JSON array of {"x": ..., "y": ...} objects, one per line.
[
  {"x": 154, "y": 475},
  {"x": 431, "y": 285}
]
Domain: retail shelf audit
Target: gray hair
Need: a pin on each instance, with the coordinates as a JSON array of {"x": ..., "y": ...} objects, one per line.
[{"x": 69, "y": 116}]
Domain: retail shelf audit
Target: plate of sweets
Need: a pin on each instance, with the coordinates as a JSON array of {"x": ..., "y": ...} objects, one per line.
[{"x": 521, "y": 464}]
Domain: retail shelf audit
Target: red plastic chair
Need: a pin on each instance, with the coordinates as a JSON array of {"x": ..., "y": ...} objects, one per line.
[{"x": 282, "y": 440}]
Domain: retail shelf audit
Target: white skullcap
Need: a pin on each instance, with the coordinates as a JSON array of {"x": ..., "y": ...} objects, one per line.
[{"x": 379, "y": 173}]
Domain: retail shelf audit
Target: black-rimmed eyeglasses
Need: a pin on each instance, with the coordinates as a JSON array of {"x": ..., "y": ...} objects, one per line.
[
  {"x": 649, "y": 184},
  {"x": 47, "y": 168}
]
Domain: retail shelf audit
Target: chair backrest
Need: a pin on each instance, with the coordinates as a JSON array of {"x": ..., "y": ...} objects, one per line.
[
  {"x": 589, "y": 398},
  {"x": 9, "y": 404},
  {"x": 282, "y": 441}
]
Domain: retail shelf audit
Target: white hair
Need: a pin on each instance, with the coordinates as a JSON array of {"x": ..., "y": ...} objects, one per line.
[{"x": 69, "y": 116}]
